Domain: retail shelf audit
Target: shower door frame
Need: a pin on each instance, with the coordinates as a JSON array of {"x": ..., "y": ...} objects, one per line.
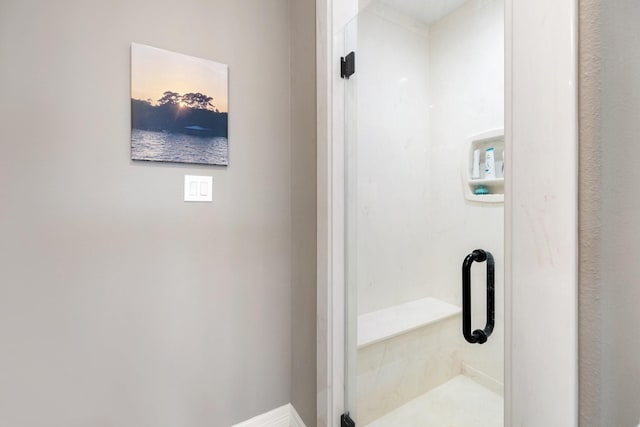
[{"x": 541, "y": 380}]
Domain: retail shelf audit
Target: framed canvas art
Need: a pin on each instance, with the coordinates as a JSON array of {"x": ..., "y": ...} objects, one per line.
[{"x": 179, "y": 108}]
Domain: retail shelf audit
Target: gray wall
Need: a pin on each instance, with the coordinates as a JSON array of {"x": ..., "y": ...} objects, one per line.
[
  {"x": 620, "y": 212},
  {"x": 610, "y": 208},
  {"x": 590, "y": 326},
  {"x": 121, "y": 305},
  {"x": 303, "y": 208}
]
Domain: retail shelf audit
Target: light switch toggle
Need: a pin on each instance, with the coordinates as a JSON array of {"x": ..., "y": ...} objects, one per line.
[{"x": 198, "y": 188}]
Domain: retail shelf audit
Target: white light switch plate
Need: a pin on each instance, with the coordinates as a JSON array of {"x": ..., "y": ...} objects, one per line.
[{"x": 198, "y": 188}]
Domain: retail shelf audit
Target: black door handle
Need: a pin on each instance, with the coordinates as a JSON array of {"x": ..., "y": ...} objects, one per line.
[{"x": 479, "y": 336}]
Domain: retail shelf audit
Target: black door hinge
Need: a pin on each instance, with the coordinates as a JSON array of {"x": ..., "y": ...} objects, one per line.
[
  {"x": 345, "y": 419},
  {"x": 348, "y": 65}
]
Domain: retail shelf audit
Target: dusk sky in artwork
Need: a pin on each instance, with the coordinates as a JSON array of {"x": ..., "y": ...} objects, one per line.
[{"x": 154, "y": 71}]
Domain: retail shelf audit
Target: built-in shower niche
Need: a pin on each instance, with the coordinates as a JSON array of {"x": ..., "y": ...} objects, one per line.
[{"x": 477, "y": 187}]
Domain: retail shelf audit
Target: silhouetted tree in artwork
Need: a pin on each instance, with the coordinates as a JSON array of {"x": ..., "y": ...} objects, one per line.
[
  {"x": 198, "y": 100},
  {"x": 169, "y": 98}
]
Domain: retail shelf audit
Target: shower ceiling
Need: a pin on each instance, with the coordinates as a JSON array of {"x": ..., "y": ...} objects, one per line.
[{"x": 426, "y": 11}]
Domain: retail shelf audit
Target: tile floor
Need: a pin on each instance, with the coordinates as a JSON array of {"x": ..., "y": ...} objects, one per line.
[{"x": 460, "y": 402}]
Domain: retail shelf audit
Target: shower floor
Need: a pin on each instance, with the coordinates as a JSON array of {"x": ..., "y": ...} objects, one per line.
[{"x": 460, "y": 402}]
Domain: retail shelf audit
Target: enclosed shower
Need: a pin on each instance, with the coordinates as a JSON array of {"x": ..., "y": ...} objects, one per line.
[{"x": 424, "y": 176}]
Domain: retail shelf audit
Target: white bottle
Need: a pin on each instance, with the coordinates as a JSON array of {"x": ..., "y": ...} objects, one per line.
[
  {"x": 475, "y": 174},
  {"x": 489, "y": 164}
]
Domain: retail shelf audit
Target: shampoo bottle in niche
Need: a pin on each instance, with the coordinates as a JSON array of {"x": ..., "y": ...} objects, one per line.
[
  {"x": 475, "y": 173},
  {"x": 489, "y": 164}
]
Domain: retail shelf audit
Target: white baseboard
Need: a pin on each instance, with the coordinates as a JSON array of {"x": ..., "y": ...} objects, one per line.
[
  {"x": 284, "y": 416},
  {"x": 296, "y": 421}
]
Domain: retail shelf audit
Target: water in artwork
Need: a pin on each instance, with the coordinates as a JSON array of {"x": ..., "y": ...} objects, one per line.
[{"x": 166, "y": 146}]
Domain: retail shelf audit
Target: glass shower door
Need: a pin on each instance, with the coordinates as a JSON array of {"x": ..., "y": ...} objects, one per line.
[{"x": 424, "y": 151}]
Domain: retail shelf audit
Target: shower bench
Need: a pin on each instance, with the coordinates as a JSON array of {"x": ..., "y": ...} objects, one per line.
[
  {"x": 404, "y": 351},
  {"x": 392, "y": 321}
]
